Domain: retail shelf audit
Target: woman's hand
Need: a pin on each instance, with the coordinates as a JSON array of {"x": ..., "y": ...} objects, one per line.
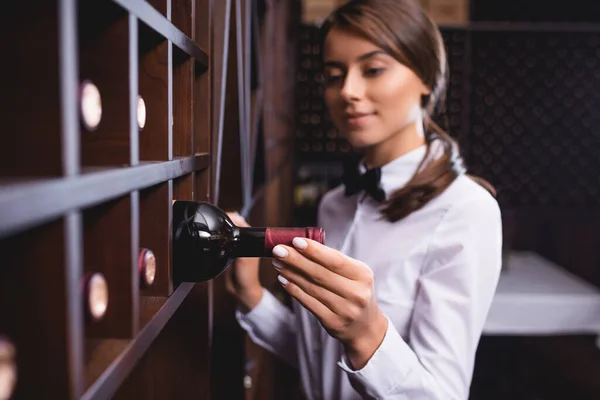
[
  {"x": 241, "y": 278},
  {"x": 338, "y": 290}
]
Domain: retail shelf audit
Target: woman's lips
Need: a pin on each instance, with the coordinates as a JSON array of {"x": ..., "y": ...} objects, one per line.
[{"x": 358, "y": 119}]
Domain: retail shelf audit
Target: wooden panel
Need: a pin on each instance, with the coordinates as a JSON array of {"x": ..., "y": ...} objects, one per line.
[
  {"x": 230, "y": 187},
  {"x": 183, "y": 105},
  {"x": 177, "y": 364},
  {"x": 155, "y": 234},
  {"x": 35, "y": 314},
  {"x": 153, "y": 89},
  {"x": 182, "y": 15},
  {"x": 104, "y": 61},
  {"x": 107, "y": 249},
  {"x": 30, "y": 100}
]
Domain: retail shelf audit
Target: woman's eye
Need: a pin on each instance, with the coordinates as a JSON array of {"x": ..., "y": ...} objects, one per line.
[
  {"x": 333, "y": 78},
  {"x": 374, "y": 71}
]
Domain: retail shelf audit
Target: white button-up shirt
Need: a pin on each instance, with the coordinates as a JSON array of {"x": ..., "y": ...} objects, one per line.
[{"x": 435, "y": 275}]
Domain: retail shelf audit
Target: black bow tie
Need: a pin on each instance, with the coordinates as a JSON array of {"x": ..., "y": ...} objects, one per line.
[{"x": 354, "y": 182}]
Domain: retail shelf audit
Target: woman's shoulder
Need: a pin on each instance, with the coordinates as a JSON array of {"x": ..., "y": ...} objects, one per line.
[{"x": 468, "y": 199}]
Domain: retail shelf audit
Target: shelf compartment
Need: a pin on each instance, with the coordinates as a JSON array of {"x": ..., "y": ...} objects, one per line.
[
  {"x": 183, "y": 105},
  {"x": 106, "y": 374},
  {"x": 104, "y": 62},
  {"x": 108, "y": 251},
  {"x": 153, "y": 67},
  {"x": 36, "y": 314},
  {"x": 150, "y": 16},
  {"x": 184, "y": 187},
  {"x": 30, "y": 107},
  {"x": 155, "y": 233}
]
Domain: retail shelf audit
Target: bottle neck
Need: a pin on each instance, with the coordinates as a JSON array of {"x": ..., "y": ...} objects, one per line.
[{"x": 249, "y": 242}]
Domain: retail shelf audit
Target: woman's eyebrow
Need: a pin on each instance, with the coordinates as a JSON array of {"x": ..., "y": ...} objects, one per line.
[{"x": 335, "y": 63}]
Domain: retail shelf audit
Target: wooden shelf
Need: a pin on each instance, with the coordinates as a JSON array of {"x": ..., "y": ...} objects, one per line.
[
  {"x": 84, "y": 187},
  {"x": 150, "y": 16},
  {"x": 130, "y": 352},
  {"x": 24, "y": 204}
]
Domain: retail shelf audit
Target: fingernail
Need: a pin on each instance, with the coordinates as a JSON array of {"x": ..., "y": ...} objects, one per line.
[
  {"x": 300, "y": 243},
  {"x": 282, "y": 280},
  {"x": 278, "y": 265},
  {"x": 280, "y": 252}
]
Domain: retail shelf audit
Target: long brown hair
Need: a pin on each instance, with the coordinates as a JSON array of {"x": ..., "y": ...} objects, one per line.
[{"x": 404, "y": 30}]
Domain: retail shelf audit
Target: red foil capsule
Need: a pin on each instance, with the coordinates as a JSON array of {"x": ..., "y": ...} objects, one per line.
[{"x": 275, "y": 236}]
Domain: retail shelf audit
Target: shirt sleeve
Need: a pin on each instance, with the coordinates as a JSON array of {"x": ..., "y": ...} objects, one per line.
[
  {"x": 456, "y": 287},
  {"x": 272, "y": 326}
]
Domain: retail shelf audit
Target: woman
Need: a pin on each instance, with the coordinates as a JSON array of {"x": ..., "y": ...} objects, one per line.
[{"x": 394, "y": 305}]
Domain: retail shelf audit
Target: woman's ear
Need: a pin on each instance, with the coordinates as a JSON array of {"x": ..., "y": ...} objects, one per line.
[
  {"x": 425, "y": 95},
  {"x": 425, "y": 99}
]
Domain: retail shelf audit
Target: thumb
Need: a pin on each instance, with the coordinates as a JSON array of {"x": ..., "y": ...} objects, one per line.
[{"x": 237, "y": 219}]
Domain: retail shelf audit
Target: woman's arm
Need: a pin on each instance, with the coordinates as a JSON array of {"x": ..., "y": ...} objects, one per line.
[
  {"x": 268, "y": 322},
  {"x": 456, "y": 288},
  {"x": 271, "y": 325}
]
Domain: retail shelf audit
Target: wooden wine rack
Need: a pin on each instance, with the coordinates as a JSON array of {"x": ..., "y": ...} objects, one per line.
[{"x": 74, "y": 200}]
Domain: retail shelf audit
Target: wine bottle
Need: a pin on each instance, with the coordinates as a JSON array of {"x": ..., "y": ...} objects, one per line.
[
  {"x": 8, "y": 368},
  {"x": 95, "y": 292},
  {"x": 141, "y": 113},
  {"x": 90, "y": 105},
  {"x": 206, "y": 241},
  {"x": 146, "y": 267}
]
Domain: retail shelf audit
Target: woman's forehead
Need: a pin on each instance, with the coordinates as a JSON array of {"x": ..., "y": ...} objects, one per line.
[{"x": 346, "y": 46}]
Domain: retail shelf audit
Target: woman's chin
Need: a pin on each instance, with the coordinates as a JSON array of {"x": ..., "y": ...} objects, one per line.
[{"x": 359, "y": 143}]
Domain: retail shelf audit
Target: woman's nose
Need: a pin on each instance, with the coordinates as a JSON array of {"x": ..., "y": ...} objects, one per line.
[{"x": 354, "y": 87}]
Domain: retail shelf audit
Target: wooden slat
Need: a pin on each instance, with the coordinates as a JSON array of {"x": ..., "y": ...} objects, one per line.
[
  {"x": 107, "y": 383},
  {"x": 151, "y": 17},
  {"x": 24, "y": 204},
  {"x": 203, "y": 82},
  {"x": 220, "y": 53}
]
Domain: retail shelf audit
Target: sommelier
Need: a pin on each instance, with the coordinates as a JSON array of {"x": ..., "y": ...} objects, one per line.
[{"x": 392, "y": 306}]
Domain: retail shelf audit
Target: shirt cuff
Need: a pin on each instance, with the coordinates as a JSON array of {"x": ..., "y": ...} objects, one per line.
[
  {"x": 271, "y": 325},
  {"x": 386, "y": 369},
  {"x": 268, "y": 314}
]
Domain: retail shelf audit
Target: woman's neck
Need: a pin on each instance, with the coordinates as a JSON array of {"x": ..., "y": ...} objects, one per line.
[{"x": 404, "y": 141}]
